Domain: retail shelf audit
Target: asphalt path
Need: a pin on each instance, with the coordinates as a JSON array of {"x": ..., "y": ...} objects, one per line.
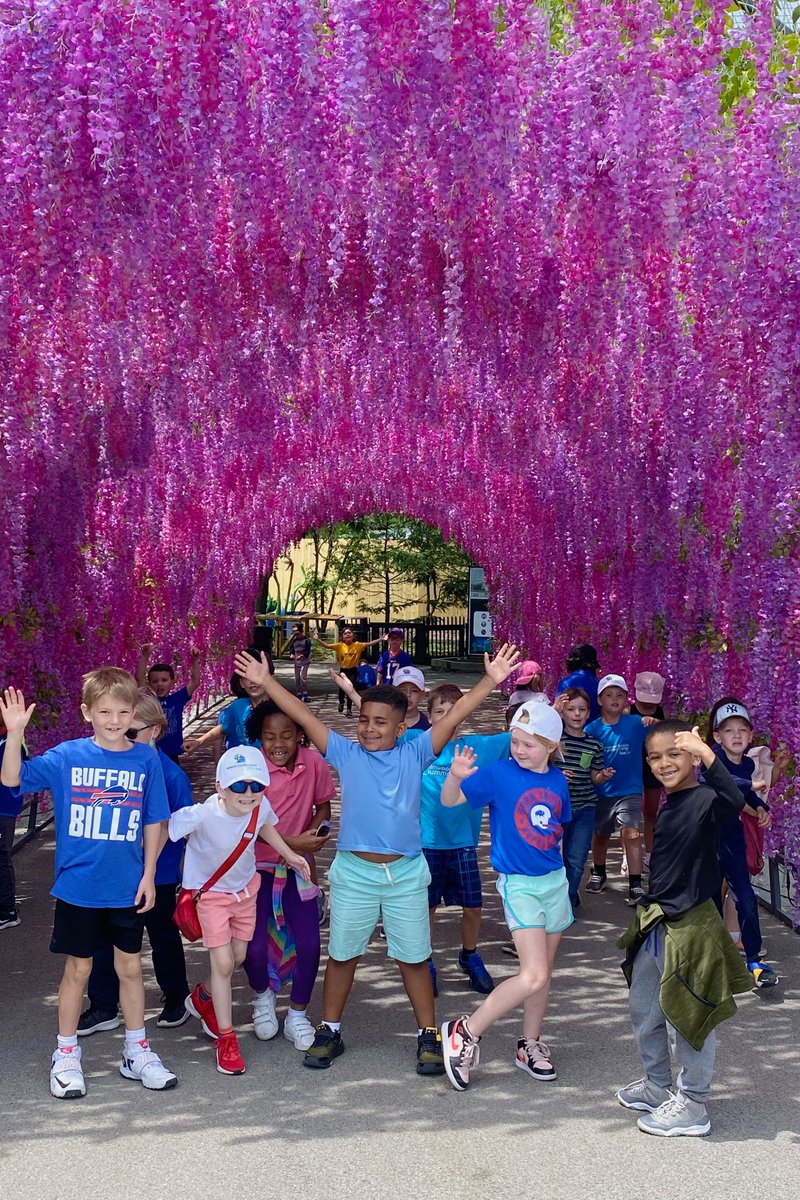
[{"x": 370, "y": 1127}]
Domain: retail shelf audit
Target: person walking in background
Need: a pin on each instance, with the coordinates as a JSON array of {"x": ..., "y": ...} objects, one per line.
[
  {"x": 299, "y": 649},
  {"x": 348, "y": 655},
  {"x": 394, "y": 656}
]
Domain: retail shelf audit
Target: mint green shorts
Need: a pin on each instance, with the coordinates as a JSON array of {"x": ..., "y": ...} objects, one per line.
[
  {"x": 536, "y": 901},
  {"x": 361, "y": 892}
]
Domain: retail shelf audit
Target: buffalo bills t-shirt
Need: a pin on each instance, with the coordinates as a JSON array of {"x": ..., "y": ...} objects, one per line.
[
  {"x": 622, "y": 744},
  {"x": 454, "y": 828},
  {"x": 102, "y": 799},
  {"x": 527, "y": 810},
  {"x": 171, "y": 740},
  {"x": 388, "y": 663}
]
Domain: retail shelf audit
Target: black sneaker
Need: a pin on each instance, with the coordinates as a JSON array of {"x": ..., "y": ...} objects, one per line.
[
  {"x": 596, "y": 884},
  {"x": 327, "y": 1046},
  {"x": 173, "y": 1015},
  {"x": 473, "y": 966},
  {"x": 429, "y": 1053},
  {"x": 9, "y": 920},
  {"x": 635, "y": 894},
  {"x": 96, "y": 1020}
]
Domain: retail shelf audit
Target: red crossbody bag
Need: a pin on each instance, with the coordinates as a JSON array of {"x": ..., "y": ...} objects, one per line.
[{"x": 185, "y": 915}]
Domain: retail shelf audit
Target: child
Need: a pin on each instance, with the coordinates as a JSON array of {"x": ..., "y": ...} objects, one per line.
[
  {"x": 366, "y": 676},
  {"x": 232, "y": 721},
  {"x": 681, "y": 964},
  {"x": 730, "y": 734},
  {"x": 393, "y": 656},
  {"x": 648, "y": 690},
  {"x": 299, "y": 650},
  {"x": 10, "y": 808},
  {"x": 411, "y": 682},
  {"x": 584, "y": 768},
  {"x": 583, "y": 668},
  {"x": 286, "y": 942},
  {"x": 450, "y": 837},
  {"x": 528, "y": 800},
  {"x": 227, "y": 910},
  {"x": 110, "y": 807},
  {"x": 348, "y": 655},
  {"x": 160, "y": 678},
  {"x": 379, "y": 869},
  {"x": 529, "y": 684},
  {"x": 169, "y": 963},
  {"x": 619, "y": 804}
]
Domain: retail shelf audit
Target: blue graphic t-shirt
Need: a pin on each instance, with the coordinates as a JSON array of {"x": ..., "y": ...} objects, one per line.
[
  {"x": 622, "y": 744},
  {"x": 171, "y": 740},
  {"x": 179, "y": 795},
  {"x": 101, "y": 801},
  {"x": 388, "y": 663},
  {"x": 10, "y": 800},
  {"x": 527, "y": 810},
  {"x": 452, "y": 828},
  {"x": 233, "y": 719}
]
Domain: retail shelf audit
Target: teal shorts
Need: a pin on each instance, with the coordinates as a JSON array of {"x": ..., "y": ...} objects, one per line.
[
  {"x": 361, "y": 892},
  {"x": 536, "y": 901}
]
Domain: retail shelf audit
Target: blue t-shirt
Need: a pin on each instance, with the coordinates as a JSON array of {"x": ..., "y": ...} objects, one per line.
[
  {"x": 10, "y": 800},
  {"x": 380, "y": 794},
  {"x": 388, "y": 663},
  {"x": 527, "y": 810},
  {"x": 101, "y": 801},
  {"x": 366, "y": 677},
  {"x": 452, "y": 828},
  {"x": 622, "y": 744},
  {"x": 179, "y": 795},
  {"x": 171, "y": 740},
  {"x": 586, "y": 680},
  {"x": 233, "y": 721}
]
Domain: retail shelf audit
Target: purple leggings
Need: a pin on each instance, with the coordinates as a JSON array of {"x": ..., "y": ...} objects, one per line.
[{"x": 302, "y": 918}]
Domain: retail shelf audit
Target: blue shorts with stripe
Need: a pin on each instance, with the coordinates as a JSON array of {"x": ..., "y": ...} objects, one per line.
[{"x": 455, "y": 878}]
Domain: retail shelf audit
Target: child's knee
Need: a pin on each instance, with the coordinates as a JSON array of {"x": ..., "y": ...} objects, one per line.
[
  {"x": 630, "y": 835},
  {"x": 77, "y": 970},
  {"x": 128, "y": 966}
]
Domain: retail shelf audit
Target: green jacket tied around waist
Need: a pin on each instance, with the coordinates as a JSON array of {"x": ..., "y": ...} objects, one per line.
[{"x": 702, "y": 967}]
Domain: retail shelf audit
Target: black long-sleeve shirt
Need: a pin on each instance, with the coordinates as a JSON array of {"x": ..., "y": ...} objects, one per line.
[{"x": 684, "y": 870}]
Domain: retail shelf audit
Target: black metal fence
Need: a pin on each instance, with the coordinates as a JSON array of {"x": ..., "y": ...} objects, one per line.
[{"x": 423, "y": 640}]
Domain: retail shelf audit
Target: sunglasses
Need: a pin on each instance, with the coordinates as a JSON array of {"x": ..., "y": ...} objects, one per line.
[
  {"x": 134, "y": 733},
  {"x": 247, "y": 785}
]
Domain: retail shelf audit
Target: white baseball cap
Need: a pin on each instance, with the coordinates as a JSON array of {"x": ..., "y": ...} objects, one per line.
[
  {"x": 612, "y": 681},
  {"x": 409, "y": 675},
  {"x": 242, "y": 762},
  {"x": 537, "y": 717}
]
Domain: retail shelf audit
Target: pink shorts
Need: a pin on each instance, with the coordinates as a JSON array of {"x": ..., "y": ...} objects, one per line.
[{"x": 227, "y": 915}]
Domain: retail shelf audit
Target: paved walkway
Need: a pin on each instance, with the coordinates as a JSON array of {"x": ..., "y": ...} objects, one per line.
[{"x": 370, "y": 1127}]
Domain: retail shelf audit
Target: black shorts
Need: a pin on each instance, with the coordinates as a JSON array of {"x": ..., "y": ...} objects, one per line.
[{"x": 81, "y": 932}]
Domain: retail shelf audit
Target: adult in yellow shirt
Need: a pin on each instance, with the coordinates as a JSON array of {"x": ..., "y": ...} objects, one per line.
[{"x": 348, "y": 655}]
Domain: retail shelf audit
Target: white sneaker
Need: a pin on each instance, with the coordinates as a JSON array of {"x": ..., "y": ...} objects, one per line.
[
  {"x": 147, "y": 1067},
  {"x": 265, "y": 1022},
  {"x": 66, "y": 1076},
  {"x": 299, "y": 1031}
]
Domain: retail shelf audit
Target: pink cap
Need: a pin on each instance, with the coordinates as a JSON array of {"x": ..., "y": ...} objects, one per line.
[
  {"x": 648, "y": 686},
  {"x": 528, "y": 669}
]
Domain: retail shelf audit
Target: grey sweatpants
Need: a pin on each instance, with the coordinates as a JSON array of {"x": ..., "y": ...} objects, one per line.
[{"x": 656, "y": 1037}]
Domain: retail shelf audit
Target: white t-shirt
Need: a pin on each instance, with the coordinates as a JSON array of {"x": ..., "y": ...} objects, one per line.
[{"x": 211, "y": 835}]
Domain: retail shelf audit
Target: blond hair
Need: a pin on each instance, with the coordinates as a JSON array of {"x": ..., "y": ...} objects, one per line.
[
  {"x": 109, "y": 681},
  {"x": 149, "y": 710}
]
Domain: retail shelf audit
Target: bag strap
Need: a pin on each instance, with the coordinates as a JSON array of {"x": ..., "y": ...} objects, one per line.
[{"x": 237, "y": 851}]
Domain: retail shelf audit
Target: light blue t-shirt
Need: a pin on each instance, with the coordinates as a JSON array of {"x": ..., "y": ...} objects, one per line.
[
  {"x": 101, "y": 801},
  {"x": 380, "y": 794},
  {"x": 527, "y": 810},
  {"x": 452, "y": 828},
  {"x": 622, "y": 749},
  {"x": 233, "y": 719}
]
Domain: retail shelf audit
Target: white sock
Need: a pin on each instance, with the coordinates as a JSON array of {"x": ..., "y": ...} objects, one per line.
[
  {"x": 294, "y": 1014},
  {"x": 420, "y": 1031},
  {"x": 134, "y": 1036},
  {"x": 69, "y": 1045},
  {"x": 334, "y": 1026}
]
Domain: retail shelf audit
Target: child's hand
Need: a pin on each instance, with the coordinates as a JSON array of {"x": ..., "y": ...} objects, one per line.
[
  {"x": 648, "y": 721},
  {"x": 692, "y": 743},
  {"x": 308, "y": 842},
  {"x": 463, "y": 764},
  {"x": 146, "y": 648},
  {"x": 560, "y": 703},
  {"x": 569, "y": 774},
  {"x": 606, "y": 774},
  {"x": 254, "y": 671},
  {"x": 503, "y": 664},
  {"x": 194, "y": 653},
  {"x": 190, "y": 744},
  {"x": 764, "y": 817},
  {"x": 145, "y": 896},
  {"x": 13, "y": 713},
  {"x": 760, "y": 785},
  {"x": 299, "y": 864},
  {"x": 781, "y": 761}
]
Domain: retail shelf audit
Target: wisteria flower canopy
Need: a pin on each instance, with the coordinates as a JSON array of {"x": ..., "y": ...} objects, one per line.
[{"x": 268, "y": 264}]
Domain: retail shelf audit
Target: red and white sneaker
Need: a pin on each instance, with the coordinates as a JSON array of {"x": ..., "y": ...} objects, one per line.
[
  {"x": 534, "y": 1057},
  {"x": 204, "y": 1011},
  {"x": 229, "y": 1060},
  {"x": 460, "y": 1051}
]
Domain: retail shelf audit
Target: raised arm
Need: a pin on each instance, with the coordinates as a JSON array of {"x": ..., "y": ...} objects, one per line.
[
  {"x": 346, "y": 685},
  {"x": 383, "y": 638},
  {"x": 462, "y": 766},
  {"x": 141, "y": 667},
  {"x": 258, "y": 672},
  {"x": 195, "y": 672},
  {"x": 497, "y": 670},
  {"x": 15, "y": 716}
]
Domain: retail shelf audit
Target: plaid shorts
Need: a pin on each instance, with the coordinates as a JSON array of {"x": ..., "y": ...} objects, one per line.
[{"x": 455, "y": 878}]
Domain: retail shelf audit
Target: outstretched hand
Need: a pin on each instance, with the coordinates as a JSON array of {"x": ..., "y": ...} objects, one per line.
[
  {"x": 13, "y": 713},
  {"x": 691, "y": 742},
  {"x": 503, "y": 664},
  {"x": 463, "y": 764},
  {"x": 253, "y": 670}
]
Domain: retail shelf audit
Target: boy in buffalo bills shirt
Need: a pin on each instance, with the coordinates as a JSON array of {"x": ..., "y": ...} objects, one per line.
[{"x": 110, "y": 809}]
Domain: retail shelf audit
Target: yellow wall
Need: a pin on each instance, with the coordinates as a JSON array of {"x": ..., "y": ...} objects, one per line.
[{"x": 350, "y": 603}]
